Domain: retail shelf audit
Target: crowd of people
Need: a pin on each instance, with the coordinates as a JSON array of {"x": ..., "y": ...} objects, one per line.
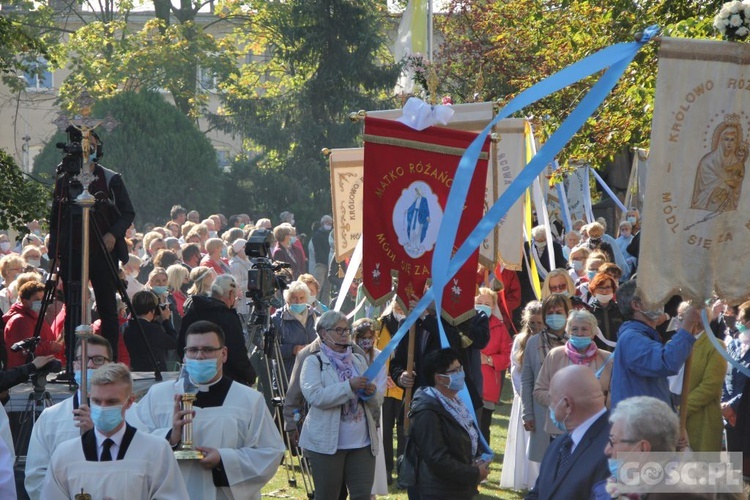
[{"x": 592, "y": 368}]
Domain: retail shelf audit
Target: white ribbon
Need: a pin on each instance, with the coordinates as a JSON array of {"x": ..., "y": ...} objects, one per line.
[{"x": 419, "y": 115}]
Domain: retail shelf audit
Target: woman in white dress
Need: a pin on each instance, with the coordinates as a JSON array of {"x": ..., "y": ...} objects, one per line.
[
  {"x": 519, "y": 473},
  {"x": 364, "y": 336}
]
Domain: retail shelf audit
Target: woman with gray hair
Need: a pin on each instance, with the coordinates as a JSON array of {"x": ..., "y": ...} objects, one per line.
[
  {"x": 578, "y": 350},
  {"x": 339, "y": 434},
  {"x": 295, "y": 323}
]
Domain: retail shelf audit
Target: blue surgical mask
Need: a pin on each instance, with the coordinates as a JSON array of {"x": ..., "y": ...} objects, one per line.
[
  {"x": 741, "y": 328},
  {"x": 92, "y": 157},
  {"x": 159, "y": 290},
  {"x": 106, "y": 418},
  {"x": 485, "y": 309},
  {"x": 577, "y": 265},
  {"x": 631, "y": 220},
  {"x": 614, "y": 466},
  {"x": 201, "y": 371},
  {"x": 457, "y": 380},
  {"x": 555, "y": 422},
  {"x": 590, "y": 274},
  {"x": 555, "y": 321},
  {"x": 298, "y": 308},
  {"x": 580, "y": 343},
  {"x": 293, "y": 240},
  {"x": 36, "y": 306},
  {"x": 77, "y": 376}
]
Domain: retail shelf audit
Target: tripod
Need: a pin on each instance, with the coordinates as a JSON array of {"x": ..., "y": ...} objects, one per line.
[
  {"x": 274, "y": 382},
  {"x": 39, "y": 399}
]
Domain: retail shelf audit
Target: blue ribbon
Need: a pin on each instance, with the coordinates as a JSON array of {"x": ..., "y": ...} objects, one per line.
[
  {"x": 617, "y": 58},
  {"x": 608, "y": 190},
  {"x": 724, "y": 354}
]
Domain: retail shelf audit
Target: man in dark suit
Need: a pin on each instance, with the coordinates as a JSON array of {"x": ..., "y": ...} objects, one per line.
[{"x": 575, "y": 461}]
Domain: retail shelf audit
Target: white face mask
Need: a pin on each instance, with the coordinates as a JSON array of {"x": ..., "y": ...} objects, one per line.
[
  {"x": 4, "y": 246},
  {"x": 604, "y": 298}
]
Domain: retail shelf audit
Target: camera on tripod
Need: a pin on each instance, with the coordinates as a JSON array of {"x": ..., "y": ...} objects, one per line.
[
  {"x": 72, "y": 162},
  {"x": 39, "y": 378},
  {"x": 264, "y": 278}
]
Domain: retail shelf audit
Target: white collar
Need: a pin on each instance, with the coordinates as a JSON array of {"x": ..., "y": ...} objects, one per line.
[
  {"x": 206, "y": 387},
  {"x": 577, "y": 434}
]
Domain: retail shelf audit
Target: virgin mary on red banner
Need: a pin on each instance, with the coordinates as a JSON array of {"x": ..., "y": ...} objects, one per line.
[{"x": 408, "y": 175}]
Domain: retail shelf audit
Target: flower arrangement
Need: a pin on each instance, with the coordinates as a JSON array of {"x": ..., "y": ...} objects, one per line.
[
  {"x": 733, "y": 20},
  {"x": 417, "y": 65}
]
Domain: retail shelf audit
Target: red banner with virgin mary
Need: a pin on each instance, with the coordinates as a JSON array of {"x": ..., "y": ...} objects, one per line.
[{"x": 407, "y": 177}]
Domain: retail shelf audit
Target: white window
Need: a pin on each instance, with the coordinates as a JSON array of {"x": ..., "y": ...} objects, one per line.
[
  {"x": 38, "y": 77},
  {"x": 207, "y": 79}
]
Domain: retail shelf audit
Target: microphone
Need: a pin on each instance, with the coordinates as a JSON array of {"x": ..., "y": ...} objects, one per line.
[{"x": 26, "y": 344}]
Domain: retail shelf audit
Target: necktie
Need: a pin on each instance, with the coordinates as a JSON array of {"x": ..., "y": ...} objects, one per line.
[
  {"x": 106, "y": 455},
  {"x": 564, "y": 453}
]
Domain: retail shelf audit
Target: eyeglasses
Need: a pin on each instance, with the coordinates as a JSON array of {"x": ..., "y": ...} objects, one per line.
[
  {"x": 455, "y": 370},
  {"x": 192, "y": 352},
  {"x": 558, "y": 288},
  {"x": 340, "y": 331},
  {"x": 96, "y": 360},
  {"x": 612, "y": 441}
]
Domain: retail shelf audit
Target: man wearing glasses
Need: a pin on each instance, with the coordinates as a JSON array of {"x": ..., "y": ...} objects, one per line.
[
  {"x": 232, "y": 427},
  {"x": 67, "y": 419}
]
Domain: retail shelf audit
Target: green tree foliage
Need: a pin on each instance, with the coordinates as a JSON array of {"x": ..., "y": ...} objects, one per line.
[
  {"x": 517, "y": 43},
  {"x": 316, "y": 61},
  {"x": 22, "y": 200},
  {"x": 163, "y": 158},
  {"x": 17, "y": 39}
]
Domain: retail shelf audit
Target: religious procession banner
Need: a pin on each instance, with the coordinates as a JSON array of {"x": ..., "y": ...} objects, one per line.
[
  {"x": 579, "y": 194},
  {"x": 347, "y": 181},
  {"x": 696, "y": 218},
  {"x": 408, "y": 175},
  {"x": 504, "y": 244},
  {"x": 637, "y": 182}
]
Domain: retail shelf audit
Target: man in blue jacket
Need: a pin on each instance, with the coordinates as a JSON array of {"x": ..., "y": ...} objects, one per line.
[{"x": 642, "y": 362}]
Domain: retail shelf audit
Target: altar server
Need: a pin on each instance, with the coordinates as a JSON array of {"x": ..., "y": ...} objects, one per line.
[
  {"x": 113, "y": 460},
  {"x": 231, "y": 424}
]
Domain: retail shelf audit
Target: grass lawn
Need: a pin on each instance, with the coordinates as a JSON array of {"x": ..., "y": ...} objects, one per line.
[{"x": 279, "y": 486}]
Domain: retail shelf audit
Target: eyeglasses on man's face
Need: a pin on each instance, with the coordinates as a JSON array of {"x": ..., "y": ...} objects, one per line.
[
  {"x": 207, "y": 351},
  {"x": 95, "y": 360},
  {"x": 340, "y": 331}
]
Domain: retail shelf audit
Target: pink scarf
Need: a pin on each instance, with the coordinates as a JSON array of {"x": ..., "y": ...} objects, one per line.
[{"x": 581, "y": 359}]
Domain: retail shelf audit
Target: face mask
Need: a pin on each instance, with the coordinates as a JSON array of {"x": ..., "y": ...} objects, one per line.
[
  {"x": 159, "y": 290},
  {"x": 311, "y": 300},
  {"x": 36, "y": 306},
  {"x": 201, "y": 371},
  {"x": 224, "y": 252},
  {"x": 631, "y": 220},
  {"x": 654, "y": 314},
  {"x": 603, "y": 298},
  {"x": 555, "y": 422},
  {"x": 77, "y": 376},
  {"x": 487, "y": 310},
  {"x": 92, "y": 157},
  {"x": 4, "y": 246},
  {"x": 293, "y": 240},
  {"x": 590, "y": 274},
  {"x": 184, "y": 288},
  {"x": 327, "y": 227},
  {"x": 555, "y": 321},
  {"x": 399, "y": 317},
  {"x": 614, "y": 466},
  {"x": 457, "y": 380},
  {"x": 594, "y": 241},
  {"x": 366, "y": 344},
  {"x": 106, "y": 418},
  {"x": 540, "y": 244},
  {"x": 577, "y": 265},
  {"x": 741, "y": 329},
  {"x": 625, "y": 234},
  {"x": 291, "y": 222},
  {"x": 298, "y": 308},
  {"x": 34, "y": 262},
  {"x": 212, "y": 234},
  {"x": 580, "y": 343}
]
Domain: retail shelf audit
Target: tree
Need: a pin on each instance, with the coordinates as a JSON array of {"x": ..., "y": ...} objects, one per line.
[
  {"x": 22, "y": 200},
  {"x": 163, "y": 158},
  {"x": 321, "y": 60},
  {"x": 518, "y": 43}
]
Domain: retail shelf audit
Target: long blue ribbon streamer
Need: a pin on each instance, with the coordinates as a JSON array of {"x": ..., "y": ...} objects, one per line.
[
  {"x": 617, "y": 58},
  {"x": 608, "y": 190},
  {"x": 724, "y": 354}
]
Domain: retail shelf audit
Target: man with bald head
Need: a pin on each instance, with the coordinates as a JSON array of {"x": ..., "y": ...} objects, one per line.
[{"x": 574, "y": 462}]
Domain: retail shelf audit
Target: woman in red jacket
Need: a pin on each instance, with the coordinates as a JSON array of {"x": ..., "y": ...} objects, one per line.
[
  {"x": 495, "y": 357},
  {"x": 20, "y": 322}
]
